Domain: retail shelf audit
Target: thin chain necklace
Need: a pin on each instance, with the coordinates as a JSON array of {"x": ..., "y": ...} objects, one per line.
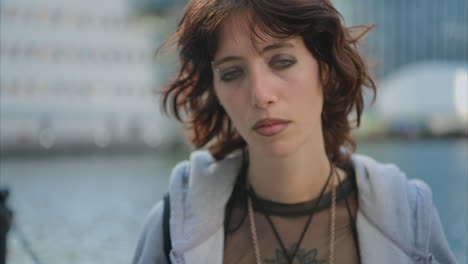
[{"x": 331, "y": 256}]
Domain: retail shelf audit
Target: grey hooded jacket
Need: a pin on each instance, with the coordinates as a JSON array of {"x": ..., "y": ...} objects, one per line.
[{"x": 397, "y": 222}]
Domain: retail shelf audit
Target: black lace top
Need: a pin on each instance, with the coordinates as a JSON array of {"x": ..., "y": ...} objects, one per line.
[{"x": 288, "y": 220}]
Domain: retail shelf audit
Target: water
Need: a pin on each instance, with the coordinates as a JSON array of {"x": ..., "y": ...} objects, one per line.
[
  {"x": 89, "y": 208},
  {"x": 82, "y": 209}
]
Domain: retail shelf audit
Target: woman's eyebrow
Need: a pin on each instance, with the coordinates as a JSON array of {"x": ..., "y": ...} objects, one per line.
[
  {"x": 225, "y": 59},
  {"x": 277, "y": 45}
]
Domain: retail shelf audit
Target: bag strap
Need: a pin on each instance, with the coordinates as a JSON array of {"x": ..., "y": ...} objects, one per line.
[{"x": 166, "y": 231}]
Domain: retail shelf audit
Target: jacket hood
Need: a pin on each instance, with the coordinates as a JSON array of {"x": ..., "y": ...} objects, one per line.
[{"x": 200, "y": 188}]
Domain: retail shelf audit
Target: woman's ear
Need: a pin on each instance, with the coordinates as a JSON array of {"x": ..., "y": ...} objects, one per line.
[{"x": 324, "y": 70}]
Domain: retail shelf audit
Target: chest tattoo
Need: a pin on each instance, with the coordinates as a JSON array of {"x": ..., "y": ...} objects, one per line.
[{"x": 303, "y": 256}]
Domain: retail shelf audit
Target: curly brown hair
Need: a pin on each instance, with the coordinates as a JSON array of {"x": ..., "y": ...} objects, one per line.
[{"x": 319, "y": 24}]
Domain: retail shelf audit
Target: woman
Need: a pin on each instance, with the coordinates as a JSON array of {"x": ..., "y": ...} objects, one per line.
[{"x": 267, "y": 87}]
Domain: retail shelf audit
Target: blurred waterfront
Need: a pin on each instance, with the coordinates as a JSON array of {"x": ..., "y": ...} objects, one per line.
[
  {"x": 80, "y": 209},
  {"x": 84, "y": 147}
]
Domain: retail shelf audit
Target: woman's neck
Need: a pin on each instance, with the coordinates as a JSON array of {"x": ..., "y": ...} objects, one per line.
[{"x": 296, "y": 178}]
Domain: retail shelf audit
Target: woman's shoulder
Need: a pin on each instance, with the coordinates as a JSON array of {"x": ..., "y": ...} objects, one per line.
[
  {"x": 401, "y": 208},
  {"x": 387, "y": 196},
  {"x": 391, "y": 201},
  {"x": 375, "y": 177},
  {"x": 150, "y": 243}
]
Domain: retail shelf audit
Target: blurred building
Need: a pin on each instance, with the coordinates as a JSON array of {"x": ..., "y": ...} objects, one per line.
[
  {"x": 77, "y": 73},
  {"x": 409, "y": 31},
  {"x": 425, "y": 98},
  {"x": 418, "y": 52}
]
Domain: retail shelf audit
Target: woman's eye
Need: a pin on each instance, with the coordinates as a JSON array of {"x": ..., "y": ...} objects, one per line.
[
  {"x": 282, "y": 63},
  {"x": 230, "y": 75}
]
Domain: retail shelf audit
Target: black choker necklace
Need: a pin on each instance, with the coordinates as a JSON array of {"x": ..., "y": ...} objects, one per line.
[{"x": 273, "y": 208}]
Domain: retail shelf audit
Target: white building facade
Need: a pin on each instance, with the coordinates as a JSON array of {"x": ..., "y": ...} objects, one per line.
[{"x": 77, "y": 73}]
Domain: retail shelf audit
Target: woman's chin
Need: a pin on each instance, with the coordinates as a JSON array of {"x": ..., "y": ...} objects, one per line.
[{"x": 274, "y": 149}]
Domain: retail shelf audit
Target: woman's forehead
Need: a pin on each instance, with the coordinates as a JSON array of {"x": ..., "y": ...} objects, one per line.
[{"x": 237, "y": 33}]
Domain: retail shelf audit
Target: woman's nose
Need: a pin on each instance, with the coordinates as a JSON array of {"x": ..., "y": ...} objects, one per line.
[{"x": 263, "y": 94}]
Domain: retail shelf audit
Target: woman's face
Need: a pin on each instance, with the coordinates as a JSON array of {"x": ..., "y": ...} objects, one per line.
[{"x": 270, "y": 89}]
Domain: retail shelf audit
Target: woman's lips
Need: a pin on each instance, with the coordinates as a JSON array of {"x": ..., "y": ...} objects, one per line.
[{"x": 270, "y": 127}]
